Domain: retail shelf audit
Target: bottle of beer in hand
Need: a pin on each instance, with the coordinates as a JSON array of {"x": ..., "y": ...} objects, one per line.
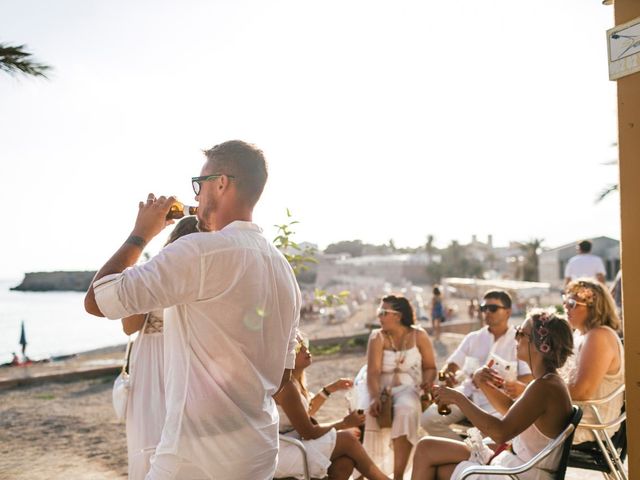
[
  {"x": 425, "y": 400},
  {"x": 442, "y": 379},
  {"x": 179, "y": 210}
]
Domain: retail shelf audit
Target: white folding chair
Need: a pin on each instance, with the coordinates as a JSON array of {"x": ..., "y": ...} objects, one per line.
[
  {"x": 608, "y": 458},
  {"x": 563, "y": 441},
  {"x": 303, "y": 453}
]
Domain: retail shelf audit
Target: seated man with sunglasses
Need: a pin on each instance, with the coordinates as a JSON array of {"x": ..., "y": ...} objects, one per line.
[{"x": 498, "y": 338}]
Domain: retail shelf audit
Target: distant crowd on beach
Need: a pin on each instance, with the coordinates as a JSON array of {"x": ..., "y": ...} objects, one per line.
[{"x": 216, "y": 385}]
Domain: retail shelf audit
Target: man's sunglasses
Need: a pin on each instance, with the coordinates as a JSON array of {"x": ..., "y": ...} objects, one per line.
[
  {"x": 383, "y": 311},
  {"x": 491, "y": 307},
  {"x": 521, "y": 333},
  {"x": 196, "y": 181},
  {"x": 571, "y": 303}
]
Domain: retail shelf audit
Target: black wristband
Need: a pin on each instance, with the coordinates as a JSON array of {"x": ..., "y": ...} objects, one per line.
[
  {"x": 135, "y": 240},
  {"x": 326, "y": 392}
]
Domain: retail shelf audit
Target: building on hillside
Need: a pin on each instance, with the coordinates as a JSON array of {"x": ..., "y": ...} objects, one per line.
[
  {"x": 498, "y": 262},
  {"x": 396, "y": 269},
  {"x": 551, "y": 263}
]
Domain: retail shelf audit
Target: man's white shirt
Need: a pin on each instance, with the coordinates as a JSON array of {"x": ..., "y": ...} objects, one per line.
[
  {"x": 232, "y": 308},
  {"x": 584, "y": 265},
  {"x": 480, "y": 345}
]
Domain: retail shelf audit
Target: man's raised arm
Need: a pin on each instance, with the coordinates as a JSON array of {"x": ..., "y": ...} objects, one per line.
[{"x": 151, "y": 221}]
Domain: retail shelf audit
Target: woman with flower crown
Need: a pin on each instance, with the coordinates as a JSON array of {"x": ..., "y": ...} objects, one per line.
[
  {"x": 598, "y": 366},
  {"x": 529, "y": 423}
]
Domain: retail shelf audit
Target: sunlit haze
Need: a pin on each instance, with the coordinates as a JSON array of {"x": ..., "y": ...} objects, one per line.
[{"x": 380, "y": 120}]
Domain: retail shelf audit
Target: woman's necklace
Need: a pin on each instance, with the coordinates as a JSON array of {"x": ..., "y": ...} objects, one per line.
[{"x": 400, "y": 354}]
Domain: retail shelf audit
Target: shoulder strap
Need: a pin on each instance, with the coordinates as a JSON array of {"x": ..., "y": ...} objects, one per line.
[{"x": 127, "y": 356}]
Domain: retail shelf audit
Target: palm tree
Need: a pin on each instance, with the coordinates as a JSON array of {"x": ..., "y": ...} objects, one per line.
[
  {"x": 14, "y": 59},
  {"x": 531, "y": 249},
  {"x": 609, "y": 189}
]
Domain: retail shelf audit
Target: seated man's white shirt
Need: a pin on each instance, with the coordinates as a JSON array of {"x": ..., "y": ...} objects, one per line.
[
  {"x": 584, "y": 265},
  {"x": 480, "y": 345},
  {"x": 232, "y": 307}
]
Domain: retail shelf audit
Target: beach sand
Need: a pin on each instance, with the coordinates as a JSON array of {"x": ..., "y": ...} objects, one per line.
[{"x": 67, "y": 430}]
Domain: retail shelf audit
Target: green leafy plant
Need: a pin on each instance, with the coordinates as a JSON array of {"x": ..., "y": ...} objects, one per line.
[
  {"x": 300, "y": 259},
  {"x": 324, "y": 298}
]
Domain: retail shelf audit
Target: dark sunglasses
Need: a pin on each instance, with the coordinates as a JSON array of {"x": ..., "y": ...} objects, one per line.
[
  {"x": 521, "y": 333},
  {"x": 491, "y": 307},
  {"x": 196, "y": 181}
]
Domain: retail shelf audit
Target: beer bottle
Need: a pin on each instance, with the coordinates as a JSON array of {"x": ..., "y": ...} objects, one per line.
[
  {"x": 425, "y": 400},
  {"x": 179, "y": 210},
  {"x": 442, "y": 379}
]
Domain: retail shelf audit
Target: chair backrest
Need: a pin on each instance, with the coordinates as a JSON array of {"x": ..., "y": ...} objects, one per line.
[
  {"x": 576, "y": 416},
  {"x": 563, "y": 440},
  {"x": 604, "y": 454},
  {"x": 303, "y": 452}
]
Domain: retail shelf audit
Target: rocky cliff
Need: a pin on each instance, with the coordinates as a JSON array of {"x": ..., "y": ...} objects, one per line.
[{"x": 55, "y": 281}]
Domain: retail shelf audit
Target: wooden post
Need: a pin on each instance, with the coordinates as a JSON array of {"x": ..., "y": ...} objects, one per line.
[{"x": 629, "y": 145}]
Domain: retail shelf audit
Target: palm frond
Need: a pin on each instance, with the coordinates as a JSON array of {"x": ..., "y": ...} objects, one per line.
[
  {"x": 14, "y": 59},
  {"x": 606, "y": 192}
]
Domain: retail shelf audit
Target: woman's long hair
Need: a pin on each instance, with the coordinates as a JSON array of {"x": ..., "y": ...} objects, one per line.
[
  {"x": 600, "y": 304},
  {"x": 184, "y": 227}
]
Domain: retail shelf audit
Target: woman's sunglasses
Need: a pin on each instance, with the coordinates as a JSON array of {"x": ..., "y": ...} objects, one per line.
[
  {"x": 571, "y": 303},
  {"x": 490, "y": 307},
  {"x": 520, "y": 333},
  {"x": 383, "y": 311}
]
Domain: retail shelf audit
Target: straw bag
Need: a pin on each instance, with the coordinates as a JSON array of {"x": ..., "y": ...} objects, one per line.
[{"x": 121, "y": 387}]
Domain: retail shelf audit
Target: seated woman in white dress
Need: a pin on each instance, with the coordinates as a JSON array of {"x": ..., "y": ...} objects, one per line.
[
  {"x": 530, "y": 422},
  {"x": 400, "y": 360},
  {"x": 332, "y": 449},
  {"x": 598, "y": 366},
  {"x": 145, "y": 404}
]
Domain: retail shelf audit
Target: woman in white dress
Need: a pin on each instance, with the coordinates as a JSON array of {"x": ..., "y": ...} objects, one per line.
[
  {"x": 400, "y": 360},
  {"x": 530, "y": 422},
  {"x": 145, "y": 404},
  {"x": 598, "y": 366},
  {"x": 332, "y": 449}
]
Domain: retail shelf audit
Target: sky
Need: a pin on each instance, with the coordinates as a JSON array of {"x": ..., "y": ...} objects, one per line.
[{"x": 380, "y": 120}]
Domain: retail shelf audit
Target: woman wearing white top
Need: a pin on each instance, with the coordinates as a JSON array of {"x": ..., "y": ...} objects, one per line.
[
  {"x": 598, "y": 368},
  {"x": 332, "y": 450},
  {"x": 400, "y": 357},
  {"x": 539, "y": 415},
  {"x": 146, "y": 402}
]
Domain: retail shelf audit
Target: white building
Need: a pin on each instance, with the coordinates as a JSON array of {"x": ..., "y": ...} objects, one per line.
[{"x": 396, "y": 269}]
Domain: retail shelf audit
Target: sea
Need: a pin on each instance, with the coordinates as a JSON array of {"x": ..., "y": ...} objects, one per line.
[{"x": 55, "y": 324}]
